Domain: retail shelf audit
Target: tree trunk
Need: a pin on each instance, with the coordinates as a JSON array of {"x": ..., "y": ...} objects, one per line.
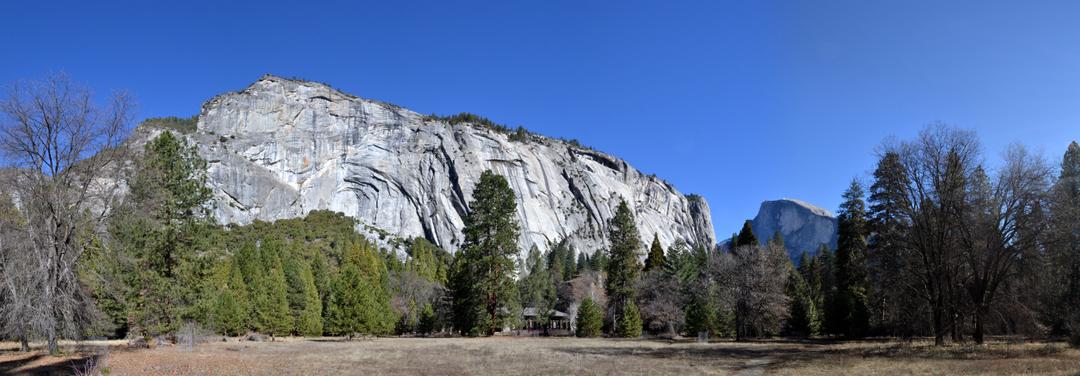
[
  {"x": 978, "y": 334},
  {"x": 24, "y": 344},
  {"x": 957, "y": 337},
  {"x": 939, "y": 326},
  {"x": 54, "y": 347}
]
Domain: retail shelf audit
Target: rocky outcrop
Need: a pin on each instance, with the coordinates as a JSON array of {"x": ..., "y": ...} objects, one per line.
[
  {"x": 803, "y": 226},
  {"x": 281, "y": 148}
]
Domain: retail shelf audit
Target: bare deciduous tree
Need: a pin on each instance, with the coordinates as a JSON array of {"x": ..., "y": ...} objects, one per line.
[
  {"x": 60, "y": 146},
  {"x": 759, "y": 276},
  {"x": 16, "y": 287},
  {"x": 936, "y": 168},
  {"x": 998, "y": 229},
  {"x": 661, "y": 302},
  {"x": 588, "y": 284}
]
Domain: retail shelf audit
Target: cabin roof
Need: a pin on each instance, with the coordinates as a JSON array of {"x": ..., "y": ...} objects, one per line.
[{"x": 531, "y": 312}]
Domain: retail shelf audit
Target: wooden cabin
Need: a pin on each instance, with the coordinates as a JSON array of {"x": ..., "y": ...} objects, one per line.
[{"x": 559, "y": 323}]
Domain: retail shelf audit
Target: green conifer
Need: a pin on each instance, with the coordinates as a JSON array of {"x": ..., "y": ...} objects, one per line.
[
  {"x": 623, "y": 268},
  {"x": 630, "y": 325},
  {"x": 482, "y": 284},
  {"x": 746, "y": 236},
  {"x": 589, "y": 319},
  {"x": 656, "y": 255}
]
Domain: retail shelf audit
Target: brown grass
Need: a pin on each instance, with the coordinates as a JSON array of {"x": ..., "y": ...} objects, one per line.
[{"x": 560, "y": 356}]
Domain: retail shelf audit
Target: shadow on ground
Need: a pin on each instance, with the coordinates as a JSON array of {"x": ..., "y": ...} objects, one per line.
[
  {"x": 772, "y": 353},
  {"x": 54, "y": 367}
]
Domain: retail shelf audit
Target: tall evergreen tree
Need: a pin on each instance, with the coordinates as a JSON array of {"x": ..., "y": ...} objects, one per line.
[
  {"x": 305, "y": 306},
  {"x": 885, "y": 258},
  {"x": 231, "y": 308},
  {"x": 156, "y": 233},
  {"x": 656, "y": 255},
  {"x": 746, "y": 236},
  {"x": 623, "y": 268},
  {"x": 360, "y": 301},
  {"x": 801, "y": 311},
  {"x": 832, "y": 322},
  {"x": 483, "y": 282},
  {"x": 851, "y": 310},
  {"x": 272, "y": 301},
  {"x": 812, "y": 274},
  {"x": 1065, "y": 237}
]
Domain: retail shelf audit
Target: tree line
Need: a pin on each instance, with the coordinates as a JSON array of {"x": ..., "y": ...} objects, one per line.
[{"x": 102, "y": 238}]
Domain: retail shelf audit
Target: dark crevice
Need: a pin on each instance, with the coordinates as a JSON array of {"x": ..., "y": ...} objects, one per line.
[
  {"x": 600, "y": 158},
  {"x": 579, "y": 196},
  {"x": 458, "y": 200}
]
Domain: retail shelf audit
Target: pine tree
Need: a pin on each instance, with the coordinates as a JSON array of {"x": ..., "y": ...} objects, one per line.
[
  {"x": 700, "y": 316},
  {"x": 155, "y": 236},
  {"x": 425, "y": 261},
  {"x": 324, "y": 282},
  {"x": 360, "y": 302},
  {"x": 801, "y": 311},
  {"x": 251, "y": 268},
  {"x": 623, "y": 268},
  {"x": 885, "y": 258},
  {"x": 851, "y": 310},
  {"x": 599, "y": 260},
  {"x": 428, "y": 320},
  {"x": 1065, "y": 253},
  {"x": 582, "y": 263},
  {"x": 832, "y": 322},
  {"x": 812, "y": 275},
  {"x": 483, "y": 283},
  {"x": 305, "y": 306},
  {"x": 630, "y": 324},
  {"x": 273, "y": 303},
  {"x": 231, "y": 308},
  {"x": 656, "y": 255},
  {"x": 561, "y": 258},
  {"x": 746, "y": 236},
  {"x": 589, "y": 319}
]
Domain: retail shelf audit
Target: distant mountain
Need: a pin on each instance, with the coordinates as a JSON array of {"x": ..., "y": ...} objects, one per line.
[
  {"x": 803, "y": 226},
  {"x": 281, "y": 148}
]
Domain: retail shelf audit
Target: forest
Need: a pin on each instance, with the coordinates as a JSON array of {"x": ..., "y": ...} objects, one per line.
[{"x": 103, "y": 238}]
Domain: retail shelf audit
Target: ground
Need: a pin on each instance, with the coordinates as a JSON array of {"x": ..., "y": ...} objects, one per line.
[{"x": 544, "y": 356}]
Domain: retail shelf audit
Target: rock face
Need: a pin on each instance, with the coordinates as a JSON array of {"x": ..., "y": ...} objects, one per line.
[
  {"x": 281, "y": 148},
  {"x": 803, "y": 226}
]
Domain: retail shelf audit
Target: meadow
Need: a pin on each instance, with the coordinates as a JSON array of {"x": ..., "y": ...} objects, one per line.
[{"x": 547, "y": 356}]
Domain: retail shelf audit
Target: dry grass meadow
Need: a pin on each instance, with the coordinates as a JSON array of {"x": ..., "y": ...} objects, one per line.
[{"x": 549, "y": 356}]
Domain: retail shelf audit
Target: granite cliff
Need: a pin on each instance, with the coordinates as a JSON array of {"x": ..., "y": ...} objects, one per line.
[{"x": 281, "y": 148}]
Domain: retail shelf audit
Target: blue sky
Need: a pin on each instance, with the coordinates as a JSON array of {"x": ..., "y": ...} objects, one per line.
[{"x": 737, "y": 101}]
